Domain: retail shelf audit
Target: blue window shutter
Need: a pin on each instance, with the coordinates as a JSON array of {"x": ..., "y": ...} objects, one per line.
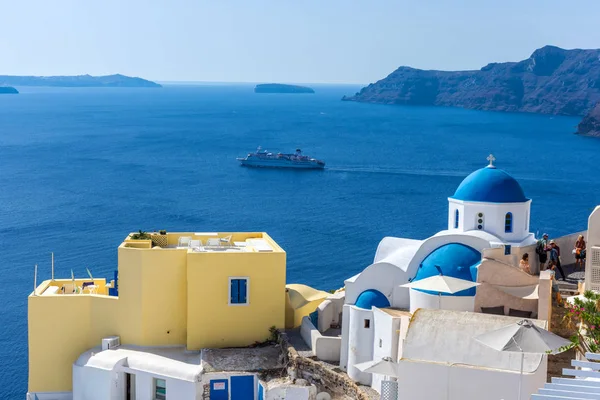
[
  {"x": 508, "y": 222},
  {"x": 243, "y": 291},
  {"x": 235, "y": 293}
]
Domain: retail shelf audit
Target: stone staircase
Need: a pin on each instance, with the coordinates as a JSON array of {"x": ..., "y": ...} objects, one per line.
[{"x": 568, "y": 287}]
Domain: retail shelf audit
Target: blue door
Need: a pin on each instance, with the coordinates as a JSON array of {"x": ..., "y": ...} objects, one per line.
[
  {"x": 219, "y": 389},
  {"x": 242, "y": 387}
]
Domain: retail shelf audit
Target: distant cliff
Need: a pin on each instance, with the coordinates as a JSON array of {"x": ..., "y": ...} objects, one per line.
[
  {"x": 281, "y": 88},
  {"x": 8, "y": 90},
  {"x": 590, "y": 124},
  {"x": 77, "y": 81},
  {"x": 551, "y": 81}
]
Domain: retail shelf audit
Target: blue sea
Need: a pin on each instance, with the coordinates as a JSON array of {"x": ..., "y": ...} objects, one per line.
[{"x": 81, "y": 168}]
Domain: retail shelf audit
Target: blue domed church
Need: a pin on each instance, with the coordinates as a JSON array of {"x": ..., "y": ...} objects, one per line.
[{"x": 488, "y": 210}]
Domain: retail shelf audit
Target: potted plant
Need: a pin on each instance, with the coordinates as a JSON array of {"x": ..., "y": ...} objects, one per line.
[{"x": 140, "y": 235}]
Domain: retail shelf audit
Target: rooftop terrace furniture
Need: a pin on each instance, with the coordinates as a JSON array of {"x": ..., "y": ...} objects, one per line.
[
  {"x": 519, "y": 313},
  {"x": 213, "y": 242},
  {"x": 184, "y": 241},
  {"x": 226, "y": 240},
  {"x": 195, "y": 245},
  {"x": 498, "y": 310},
  {"x": 91, "y": 287},
  {"x": 68, "y": 288}
]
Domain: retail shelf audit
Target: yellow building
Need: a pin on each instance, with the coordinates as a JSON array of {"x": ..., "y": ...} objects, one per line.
[
  {"x": 197, "y": 290},
  {"x": 300, "y": 302}
]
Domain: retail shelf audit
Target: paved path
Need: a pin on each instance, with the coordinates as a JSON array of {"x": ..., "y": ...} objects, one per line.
[{"x": 569, "y": 286}]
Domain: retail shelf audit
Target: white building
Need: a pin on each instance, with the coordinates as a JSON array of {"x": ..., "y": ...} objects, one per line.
[
  {"x": 441, "y": 360},
  {"x": 488, "y": 210}
]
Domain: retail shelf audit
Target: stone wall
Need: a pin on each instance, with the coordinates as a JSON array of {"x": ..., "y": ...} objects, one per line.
[{"x": 324, "y": 378}]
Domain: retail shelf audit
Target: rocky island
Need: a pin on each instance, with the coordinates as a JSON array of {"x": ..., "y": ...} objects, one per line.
[
  {"x": 77, "y": 81},
  {"x": 281, "y": 88},
  {"x": 551, "y": 81},
  {"x": 590, "y": 124},
  {"x": 8, "y": 90}
]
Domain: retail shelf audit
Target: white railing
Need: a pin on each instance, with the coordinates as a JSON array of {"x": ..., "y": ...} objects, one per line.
[{"x": 585, "y": 383}]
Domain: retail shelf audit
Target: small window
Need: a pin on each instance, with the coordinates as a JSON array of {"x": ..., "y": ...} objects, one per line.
[
  {"x": 238, "y": 291},
  {"x": 480, "y": 221},
  {"x": 160, "y": 389},
  {"x": 367, "y": 323},
  {"x": 508, "y": 223},
  {"x": 456, "y": 215},
  {"x": 507, "y": 249}
]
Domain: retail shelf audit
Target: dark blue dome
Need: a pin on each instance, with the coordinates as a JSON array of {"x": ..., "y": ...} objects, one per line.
[
  {"x": 370, "y": 298},
  {"x": 455, "y": 260},
  {"x": 490, "y": 185}
]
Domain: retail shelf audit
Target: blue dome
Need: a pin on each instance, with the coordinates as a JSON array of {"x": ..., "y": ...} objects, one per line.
[
  {"x": 490, "y": 185},
  {"x": 455, "y": 260},
  {"x": 370, "y": 298}
]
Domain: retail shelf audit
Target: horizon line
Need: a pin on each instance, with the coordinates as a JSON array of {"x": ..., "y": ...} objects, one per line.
[{"x": 253, "y": 83}]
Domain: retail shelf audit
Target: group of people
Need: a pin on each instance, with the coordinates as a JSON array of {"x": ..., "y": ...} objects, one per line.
[{"x": 548, "y": 253}]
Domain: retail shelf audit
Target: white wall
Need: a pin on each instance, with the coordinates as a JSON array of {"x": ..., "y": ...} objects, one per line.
[
  {"x": 90, "y": 383},
  {"x": 345, "y": 336},
  {"x": 419, "y": 380},
  {"x": 291, "y": 392},
  {"x": 326, "y": 313},
  {"x": 494, "y": 218},
  {"x": 430, "y": 301},
  {"x": 385, "y": 343},
  {"x": 360, "y": 343},
  {"x": 593, "y": 239},
  {"x": 93, "y": 383},
  {"x": 326, "y": 348},
  {"x": 380, "y": 276}
]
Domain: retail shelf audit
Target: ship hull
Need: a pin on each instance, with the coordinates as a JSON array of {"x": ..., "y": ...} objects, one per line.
[{"x": 281, "y": 164}]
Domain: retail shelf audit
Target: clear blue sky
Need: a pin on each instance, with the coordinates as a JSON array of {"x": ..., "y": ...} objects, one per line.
[{"x": 312, "y": 41}]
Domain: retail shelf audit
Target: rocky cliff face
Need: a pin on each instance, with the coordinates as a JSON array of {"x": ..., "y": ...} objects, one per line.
[
  {"x": 551, "y": 81},
  {"x": 590, "y": 124}
]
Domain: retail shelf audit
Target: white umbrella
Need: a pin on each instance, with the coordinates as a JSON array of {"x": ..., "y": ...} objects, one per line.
[
  {"x": 523, "y": 337},
  {"x": 385, "y": 366},
  {"x": 441, "y": 284}
]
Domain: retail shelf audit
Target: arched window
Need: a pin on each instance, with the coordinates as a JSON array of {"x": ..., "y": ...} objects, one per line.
[
  {"x": 456, "y": 215},
  {"x": 508, "y": 223}
]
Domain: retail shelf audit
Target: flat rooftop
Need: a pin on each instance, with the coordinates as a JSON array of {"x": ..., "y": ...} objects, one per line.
[
  {"x": 190, "y": 242},
  {"x": 174, "y": 362},
  {"x": 205, "y": 242}
]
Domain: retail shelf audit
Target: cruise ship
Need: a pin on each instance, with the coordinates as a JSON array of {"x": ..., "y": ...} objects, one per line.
[{"x": 262, "y": 158}]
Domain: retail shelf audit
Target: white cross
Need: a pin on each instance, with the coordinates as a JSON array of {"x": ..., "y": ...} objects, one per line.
[{"x": 491, "y": 159}]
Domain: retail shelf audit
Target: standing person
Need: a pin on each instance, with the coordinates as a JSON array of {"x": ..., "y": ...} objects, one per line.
[
  {"x": 540, "y": 249},
  {"x": 580, "y": 251},
  {"x": 555, "y": 258}
]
